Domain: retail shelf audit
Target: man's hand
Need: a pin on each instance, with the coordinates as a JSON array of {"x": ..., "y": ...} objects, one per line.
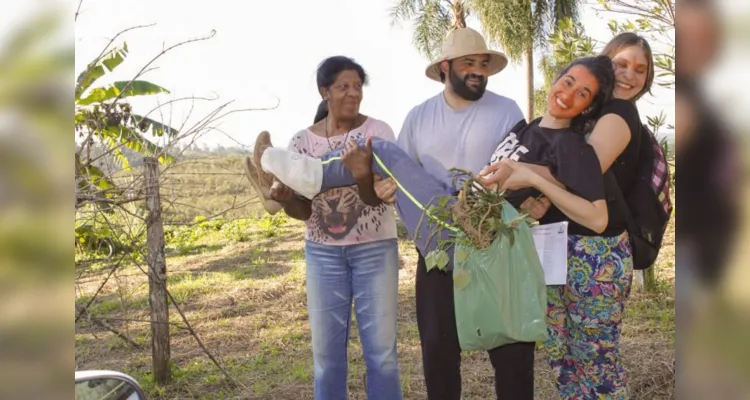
[
  {"x": 385, "y": 189},
  {"x": 536, "y": 208},
  {"x": 494, "y": 175},
  {"x": 358, "y": 160},
  {"x": 281, "y": 192}
]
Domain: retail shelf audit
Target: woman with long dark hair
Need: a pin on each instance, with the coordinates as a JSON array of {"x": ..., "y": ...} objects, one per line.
[
  {"x": 585, "y": 315},
  {"x": 351, "y": 249}
]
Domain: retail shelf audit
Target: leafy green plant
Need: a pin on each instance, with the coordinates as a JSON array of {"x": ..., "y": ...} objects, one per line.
[
  {"x": 208, "y": 225},
  {"x": 270, "y": 225},
  {"x": 475, "y": 214},
  {"x": 97, "y": 236},
  {"x": 237, "y": 230},
  {"x": 103, "y": 114},
  {"x": 105, "y": 126},
  {"x": 184, "y": 238},
  {"x": 93, "y": 240}
]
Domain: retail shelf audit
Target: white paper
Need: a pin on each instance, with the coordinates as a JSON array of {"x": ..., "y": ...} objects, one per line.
[{"x": 551, "y": 242}]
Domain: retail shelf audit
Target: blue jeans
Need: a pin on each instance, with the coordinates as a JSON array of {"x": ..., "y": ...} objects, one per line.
[{"x": 367, "y": 275}]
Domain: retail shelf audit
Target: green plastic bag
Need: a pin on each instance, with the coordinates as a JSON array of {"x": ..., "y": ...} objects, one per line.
[{"x": 500, "y": 294}]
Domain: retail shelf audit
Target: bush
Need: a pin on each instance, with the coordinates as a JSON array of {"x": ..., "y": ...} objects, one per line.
[{"x": 270, "y": 225}]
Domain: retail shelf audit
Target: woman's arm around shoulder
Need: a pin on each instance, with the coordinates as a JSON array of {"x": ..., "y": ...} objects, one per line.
[{"x": 613, "y": 131}]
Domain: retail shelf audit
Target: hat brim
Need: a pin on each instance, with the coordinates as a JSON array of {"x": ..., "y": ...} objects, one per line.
[{"x": 498, "y": 62}]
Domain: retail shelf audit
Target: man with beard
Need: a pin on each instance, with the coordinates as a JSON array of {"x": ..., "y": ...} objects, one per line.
[{"x": 459, "y": 128}]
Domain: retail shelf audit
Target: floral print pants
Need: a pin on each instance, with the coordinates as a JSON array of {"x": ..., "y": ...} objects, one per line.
[{"x": 584, "y": 318}]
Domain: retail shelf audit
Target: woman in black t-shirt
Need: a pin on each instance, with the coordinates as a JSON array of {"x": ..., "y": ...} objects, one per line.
[{"x": 585, "y": 315}]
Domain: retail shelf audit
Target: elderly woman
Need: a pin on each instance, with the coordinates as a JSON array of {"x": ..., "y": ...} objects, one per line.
[{"x": 351, "y": 249}]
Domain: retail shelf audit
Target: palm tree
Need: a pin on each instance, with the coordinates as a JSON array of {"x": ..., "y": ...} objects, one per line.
[
  {"x": 434, "y": 19},
  {"x": 519, "y": 26}
]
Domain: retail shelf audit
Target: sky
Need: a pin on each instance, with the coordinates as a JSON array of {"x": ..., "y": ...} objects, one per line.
[{"x": 266, "y": 53}]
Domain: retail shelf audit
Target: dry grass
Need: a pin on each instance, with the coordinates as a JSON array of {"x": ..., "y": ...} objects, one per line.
[{"x": 247, "y": 301}]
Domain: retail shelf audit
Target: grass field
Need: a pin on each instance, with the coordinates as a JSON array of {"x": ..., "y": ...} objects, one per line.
[{"x": 241, "y": 284}]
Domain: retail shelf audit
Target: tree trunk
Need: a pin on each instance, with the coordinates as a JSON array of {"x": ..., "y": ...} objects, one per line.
[
  {"x": 638, "y": 280},
  {"x": 645, "y": 280},
  {"x": 530, "y": 83},
  {"x": 649, "y": 279},
  {"x": 157, "y": 273},
  {"x": 459, "y": 15}
]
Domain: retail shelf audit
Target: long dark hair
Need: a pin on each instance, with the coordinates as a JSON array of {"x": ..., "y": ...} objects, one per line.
[
  {"x": 601, "y": 68},
  {"x": 628, "y": 39},
  {"x": 328, "y": 71}
]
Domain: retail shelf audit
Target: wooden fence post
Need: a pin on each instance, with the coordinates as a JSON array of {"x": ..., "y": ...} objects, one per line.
[{"x": 157, "y": 271}]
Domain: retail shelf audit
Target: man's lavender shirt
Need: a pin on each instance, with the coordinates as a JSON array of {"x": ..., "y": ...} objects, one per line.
[{"x": 439, "y": 138}]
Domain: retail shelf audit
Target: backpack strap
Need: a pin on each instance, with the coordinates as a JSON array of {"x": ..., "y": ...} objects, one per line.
[{"x": 611, "y": 181}]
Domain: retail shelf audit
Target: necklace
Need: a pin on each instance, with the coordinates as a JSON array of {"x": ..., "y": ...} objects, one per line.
[{"x": 346, "y": 137}]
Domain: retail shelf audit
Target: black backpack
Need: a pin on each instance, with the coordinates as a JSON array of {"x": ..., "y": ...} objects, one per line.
[{"x": 647, "y": 205}]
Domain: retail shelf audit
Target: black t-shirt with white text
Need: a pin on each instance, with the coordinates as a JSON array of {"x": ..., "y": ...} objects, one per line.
[{"x": 569, "y": 158}]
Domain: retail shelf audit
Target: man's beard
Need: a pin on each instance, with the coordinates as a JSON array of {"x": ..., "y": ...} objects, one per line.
[{"x": 463, "y": 90}]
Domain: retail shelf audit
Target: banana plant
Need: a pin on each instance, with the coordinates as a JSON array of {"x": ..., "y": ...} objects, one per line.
[{"x": 103, "y": 117}]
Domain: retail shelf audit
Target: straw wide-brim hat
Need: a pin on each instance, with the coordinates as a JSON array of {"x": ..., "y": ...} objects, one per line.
[{"x": 465, "y": 42}]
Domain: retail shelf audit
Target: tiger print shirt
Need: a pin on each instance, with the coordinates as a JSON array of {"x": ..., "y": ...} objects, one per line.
[{"x": 339, "y": 217}]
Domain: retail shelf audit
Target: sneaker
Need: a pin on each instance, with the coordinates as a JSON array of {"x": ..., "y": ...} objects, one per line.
[{"x": 264, "y": 192}]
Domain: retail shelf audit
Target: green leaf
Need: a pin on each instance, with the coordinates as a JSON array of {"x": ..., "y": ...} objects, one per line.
[
  {"x": 461, "y": 255},
  {"x": 97, "y": 68},
  {"x": 131, "y": 88},
  {"x": 134, "y": 141},
  {"x": 430, "y": 261},
  {"x": 156, "y": 128},
  {"x": 441, "y": 259},
  {"x": 613, "y": 26},
  {"x": 517, "y": 220},
  {"x": 122, "y": 159},
  {"x": 97, "y": 95},
  {"x": 138, "y": 88},
  {"x": 431, "y": 25},
  {"x": 461, "y": 279},
  {"x": 96, "y": 177}
]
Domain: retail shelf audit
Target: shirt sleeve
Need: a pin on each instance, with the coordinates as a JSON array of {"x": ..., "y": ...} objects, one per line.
[
  {"x": 405, "y": 138},
  {"x": 512, "y": 123},
  {"x": 576, "y": 166},
  {"x": 627, "y": 111},
  {"x": 514, "y": 120},
  {"x": 384, "y": 131}
]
